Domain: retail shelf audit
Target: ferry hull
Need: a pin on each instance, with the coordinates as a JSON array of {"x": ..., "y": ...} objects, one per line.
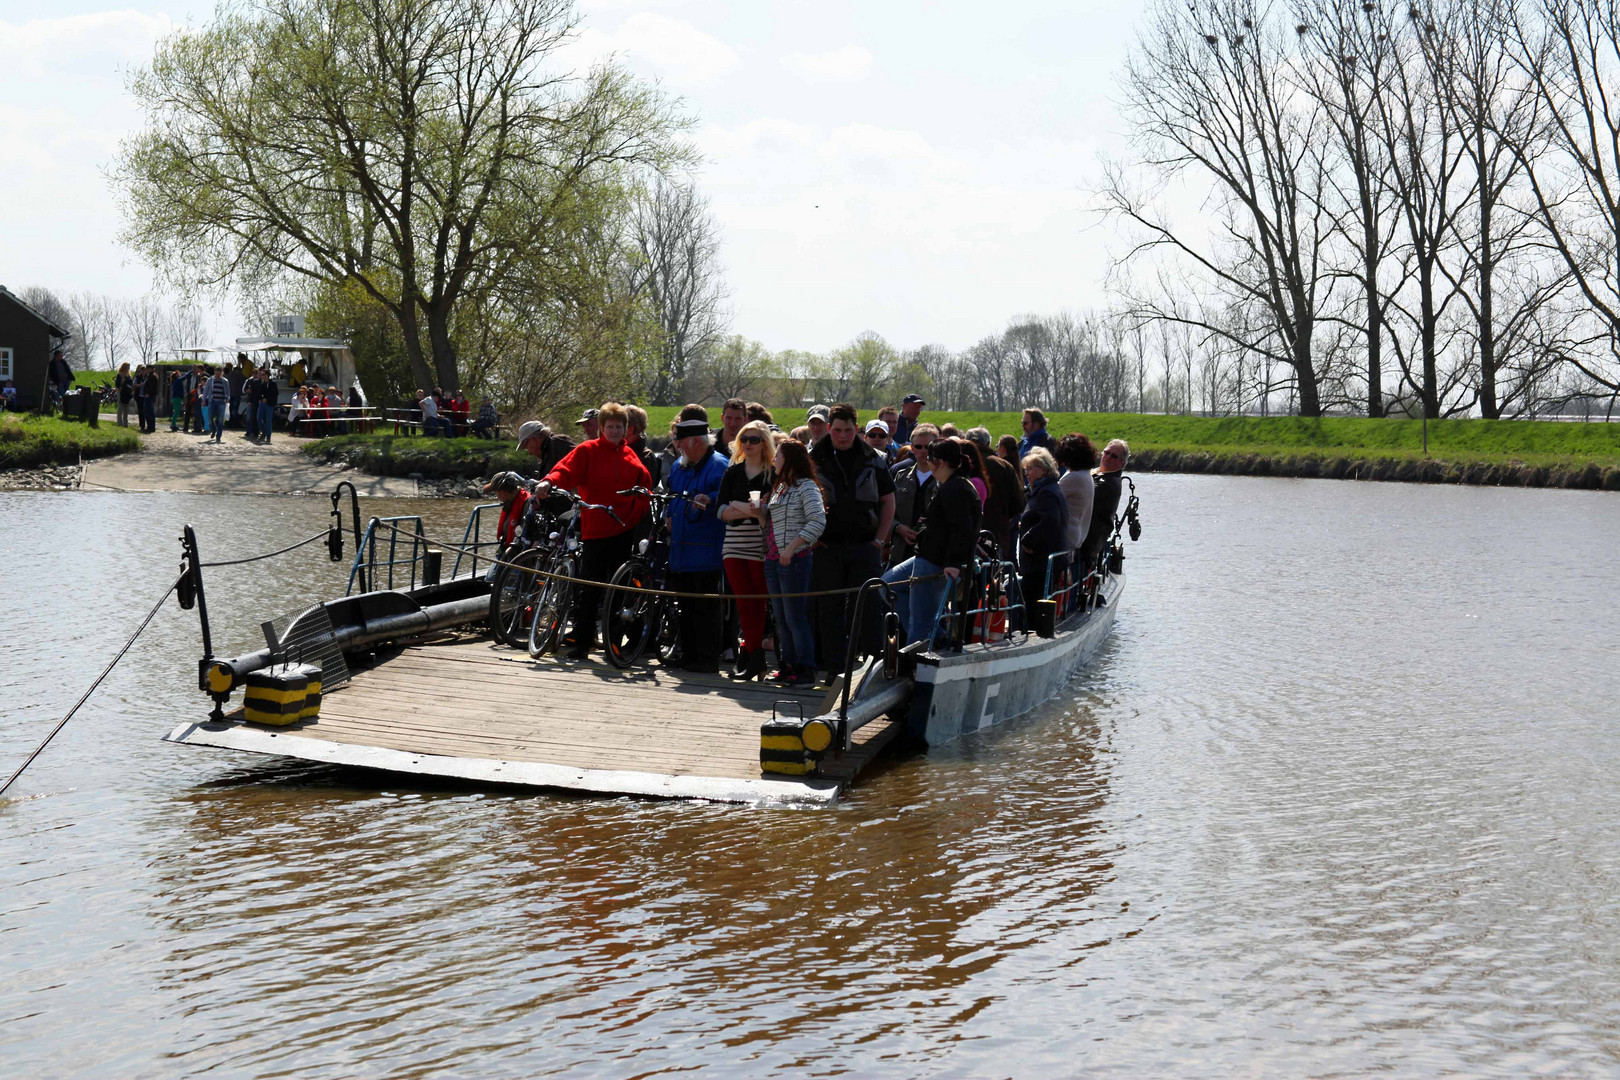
[{"x": 960, "y": 694}]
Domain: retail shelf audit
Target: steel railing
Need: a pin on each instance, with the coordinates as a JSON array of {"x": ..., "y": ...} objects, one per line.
[
  {"x": 472, "y": 541},
  {"x": 365, "y": 557}
]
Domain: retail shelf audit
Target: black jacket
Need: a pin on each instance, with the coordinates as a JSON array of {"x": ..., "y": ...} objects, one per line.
[
  {"x": 1005, "y": 503},
  {"x": 1040, "y": 529},
  {"x": 650, "y": 458},
  {"x": 854, "y": 493},
  {"x": 951, "y": 526},
  {"x": 1104, "y": 505}
]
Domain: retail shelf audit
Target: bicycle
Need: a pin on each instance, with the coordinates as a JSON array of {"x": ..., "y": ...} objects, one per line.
[
  {"x": 556, "y": 597},
  {"x": 516, "y": 586},
  {"x": 631, "y": 621}
]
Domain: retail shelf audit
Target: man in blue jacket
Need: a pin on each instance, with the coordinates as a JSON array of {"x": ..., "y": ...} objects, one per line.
[{"x": 696, "y": 536}]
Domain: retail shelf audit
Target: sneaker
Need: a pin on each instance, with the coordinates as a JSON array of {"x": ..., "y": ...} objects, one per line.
[{"x": 579, "y": 650}]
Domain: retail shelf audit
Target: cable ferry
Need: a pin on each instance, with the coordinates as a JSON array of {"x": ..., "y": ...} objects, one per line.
[{"x": 419, "y": 671}]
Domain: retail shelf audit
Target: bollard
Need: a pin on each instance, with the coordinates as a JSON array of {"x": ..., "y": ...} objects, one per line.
[{"x": 432, "y": 566}]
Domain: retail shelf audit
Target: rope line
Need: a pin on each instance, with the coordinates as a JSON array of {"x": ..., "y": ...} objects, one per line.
[
  {"x": 267, "y": 555},
  {"x": 104, "y": 673},
  {"x": 553, "y": 576}
]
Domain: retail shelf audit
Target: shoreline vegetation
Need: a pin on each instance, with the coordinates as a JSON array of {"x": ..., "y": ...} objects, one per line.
[
  {"x": 1511, "y": 453},
  {"x": 28, "y": 441}
]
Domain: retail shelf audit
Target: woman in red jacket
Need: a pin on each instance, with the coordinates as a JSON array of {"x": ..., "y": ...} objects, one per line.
[{"x": 597, "y": 470}]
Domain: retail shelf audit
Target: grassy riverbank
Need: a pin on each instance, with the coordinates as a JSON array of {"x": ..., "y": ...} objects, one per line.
[
  {"x": 27, "y": 440},
  {"x": 1500, "y": 452},
  {"x": 1515, "y": 452}
]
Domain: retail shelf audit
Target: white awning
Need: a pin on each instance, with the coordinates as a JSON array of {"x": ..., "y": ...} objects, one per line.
[{"x": 287, "y": 344}]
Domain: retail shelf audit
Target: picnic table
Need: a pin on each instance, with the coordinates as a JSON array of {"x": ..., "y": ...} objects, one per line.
[{"x": 322, "y": 421}]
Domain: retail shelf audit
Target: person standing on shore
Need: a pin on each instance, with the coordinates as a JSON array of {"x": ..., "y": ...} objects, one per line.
[
  {"x": 268, "y": 393},
  {"x": 250, "y": 405},
  {"x": 124, "y": 388},
  {"x": 219, "y": 397},
  {"x": 177, "y": 398},
  {"x": 743, "y": 491},
  {"x": 150, "y": 386}
]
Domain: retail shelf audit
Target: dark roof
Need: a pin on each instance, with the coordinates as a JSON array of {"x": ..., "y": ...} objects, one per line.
[{"x": 15, "y": 299}]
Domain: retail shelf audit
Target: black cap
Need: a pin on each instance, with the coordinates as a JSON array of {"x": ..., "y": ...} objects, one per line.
[{"x": 913, "y": 399}]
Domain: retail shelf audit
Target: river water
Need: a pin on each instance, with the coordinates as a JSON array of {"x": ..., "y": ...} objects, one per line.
[{"x": 1338, "y": 797}]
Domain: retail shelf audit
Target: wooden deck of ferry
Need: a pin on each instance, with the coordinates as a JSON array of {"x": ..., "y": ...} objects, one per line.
[{"x": 472, "y": 710}]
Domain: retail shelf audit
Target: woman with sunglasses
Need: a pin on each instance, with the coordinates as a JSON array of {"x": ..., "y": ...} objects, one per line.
[
  {"x": 1105, "y": 501},
  {"x": 743, "y": 490},
  {"x": 798, "y": 515},
  {"x": 944, "y": 545}
]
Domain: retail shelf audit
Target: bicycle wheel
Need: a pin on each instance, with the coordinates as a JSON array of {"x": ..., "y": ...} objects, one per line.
[
  {"x": 512, "y": 597},
  {"x": 551, "y": 608},
  {"x": 629, "y": 619}
]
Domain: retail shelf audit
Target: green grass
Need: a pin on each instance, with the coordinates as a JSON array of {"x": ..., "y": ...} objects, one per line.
[
  {"x": 402, "y": 455},
  {"x": 1503, "y": 442},
  {"x": 27, "y": 440},
  {"x": 95, "y": 378},
  {"x": 1460, "y": 451}
]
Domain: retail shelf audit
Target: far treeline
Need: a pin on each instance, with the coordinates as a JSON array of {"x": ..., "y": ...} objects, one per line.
[{"x": 1408, "y": 220}]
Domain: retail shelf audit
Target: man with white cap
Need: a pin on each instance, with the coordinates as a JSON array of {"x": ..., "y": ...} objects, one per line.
[{"x": 877, "y": 437}]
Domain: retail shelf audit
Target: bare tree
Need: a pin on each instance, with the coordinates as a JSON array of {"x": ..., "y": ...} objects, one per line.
[
  {"x": 186, "y": 327},
  {"x": 1208, "y": 90},
  {"x": 143, "y": 325},
  {"x": 679, "y": 274},
  {"x": 1566, "y": 53},
  {"x": 1347, "y": 64},
  {"x": 85, "y": 311}
]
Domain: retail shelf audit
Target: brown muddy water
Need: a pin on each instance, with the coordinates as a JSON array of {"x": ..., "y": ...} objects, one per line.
[{"x": 1339, "y": 797}]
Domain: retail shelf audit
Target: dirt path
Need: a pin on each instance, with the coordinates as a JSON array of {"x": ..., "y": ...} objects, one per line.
[{"x": 176, "y": 461}]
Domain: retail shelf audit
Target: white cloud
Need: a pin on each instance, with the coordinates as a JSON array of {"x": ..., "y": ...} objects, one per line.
[
  {"x": 670, "y": 47},
  {"x": 100, "y": 43},
  {"x": 849, "y": 64}
]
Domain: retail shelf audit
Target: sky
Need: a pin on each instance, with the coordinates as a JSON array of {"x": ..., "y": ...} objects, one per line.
[{"x": 918, "y": 170}]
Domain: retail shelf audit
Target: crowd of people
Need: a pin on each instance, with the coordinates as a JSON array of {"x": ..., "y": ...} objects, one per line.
[
  {"x": 821, "y": 510},
  {"x": 206, "y": 399}
]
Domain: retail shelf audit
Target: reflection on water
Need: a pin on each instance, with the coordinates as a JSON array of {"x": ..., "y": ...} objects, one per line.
[{"x": 1337, "y": 797}]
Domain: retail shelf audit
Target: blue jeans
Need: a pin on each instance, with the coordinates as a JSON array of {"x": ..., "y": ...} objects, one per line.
[
  {"x": 918, "y": 604},
  {"x": 216, "y": 420},
  {"x": 267, "y": 416},
  {"x": 206, "y": 411},
  {"x": 795, "y": 640}
]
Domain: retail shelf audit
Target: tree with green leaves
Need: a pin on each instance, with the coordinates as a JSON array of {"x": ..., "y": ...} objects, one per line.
[{"x": 428, "y": 152}]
